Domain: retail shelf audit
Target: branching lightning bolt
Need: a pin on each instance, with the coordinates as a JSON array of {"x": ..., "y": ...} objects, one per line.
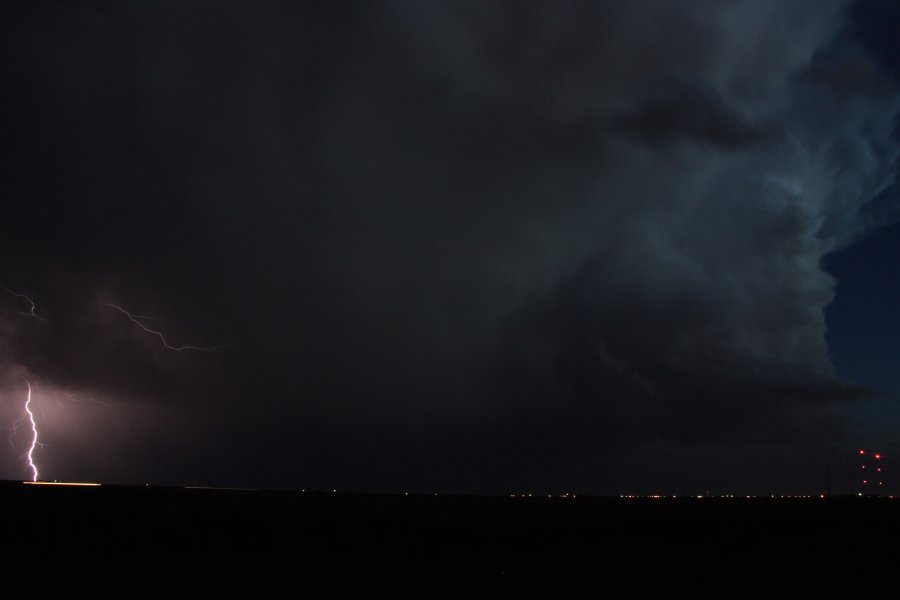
[
  {"x": 32, "y": 312},
  {"x": 34, "y": 439},
  {"x": 87, "y": 399},
  {"x": 14, "y": 430},
  {"x": 136, "y": 319}
]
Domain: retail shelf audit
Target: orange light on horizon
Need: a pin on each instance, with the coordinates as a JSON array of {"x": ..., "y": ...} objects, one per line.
[{"x": 63, "y": 483}]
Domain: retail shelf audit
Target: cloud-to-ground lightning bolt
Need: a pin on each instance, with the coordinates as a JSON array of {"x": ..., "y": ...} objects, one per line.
[
  {"x": 32, "y": 312},
  {"x": 136, "y": 319},
  {"x": 34, "y": 439}
]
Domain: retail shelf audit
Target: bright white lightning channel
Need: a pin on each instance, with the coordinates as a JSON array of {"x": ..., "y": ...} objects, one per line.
[
  {"x": 34, "y": 439},
  {"x": 136, "y": 320}
]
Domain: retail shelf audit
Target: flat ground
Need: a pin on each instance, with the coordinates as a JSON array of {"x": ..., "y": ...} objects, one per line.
[{"x": 147, "y": 541}]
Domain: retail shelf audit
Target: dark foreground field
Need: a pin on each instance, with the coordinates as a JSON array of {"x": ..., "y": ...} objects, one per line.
[{"x": 130, "y": 542}]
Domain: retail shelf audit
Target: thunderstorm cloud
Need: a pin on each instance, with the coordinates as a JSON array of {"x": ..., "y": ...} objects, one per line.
[{"x": 448, "y": 243}]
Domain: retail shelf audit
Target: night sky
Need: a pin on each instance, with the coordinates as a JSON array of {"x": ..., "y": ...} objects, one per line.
[{"x": 610, "y": 247}]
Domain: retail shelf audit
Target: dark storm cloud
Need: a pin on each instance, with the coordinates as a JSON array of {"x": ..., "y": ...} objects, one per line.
[
  {"x": 696, "y": 115},
  {"x": 474, "y": 240}
]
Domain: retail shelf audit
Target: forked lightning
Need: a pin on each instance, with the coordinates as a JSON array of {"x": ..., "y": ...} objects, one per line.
[{"x": 136, "y": 319}]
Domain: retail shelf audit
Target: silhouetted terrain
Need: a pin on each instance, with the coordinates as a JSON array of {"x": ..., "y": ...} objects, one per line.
[{"x": 134, "y": 541}]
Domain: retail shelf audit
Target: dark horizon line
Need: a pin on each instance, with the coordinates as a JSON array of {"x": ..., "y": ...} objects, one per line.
[{"x": 9, "y": 483}]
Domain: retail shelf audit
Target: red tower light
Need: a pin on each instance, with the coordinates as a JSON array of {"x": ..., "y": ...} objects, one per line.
[{"x": 870, "y": 461}]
